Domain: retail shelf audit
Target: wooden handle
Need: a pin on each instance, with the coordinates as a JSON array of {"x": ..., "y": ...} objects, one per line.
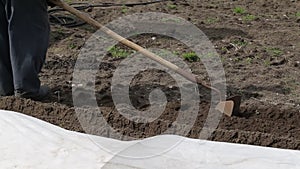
[{"x": 91, "y": 21}]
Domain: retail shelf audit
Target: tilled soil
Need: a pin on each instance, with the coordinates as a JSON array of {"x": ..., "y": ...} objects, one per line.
[{"x": 260, "y": 57}]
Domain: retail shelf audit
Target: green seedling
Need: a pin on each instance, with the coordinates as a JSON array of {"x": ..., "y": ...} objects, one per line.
[
  {"x": 257, "y": 57},
  {"x": 267, "y": 63},
  {"x": 249, "y": 60},
  {"x": 275, "y": 52},
  {"x": 239, "y": 10},
  {"x": 191, "y": 57},
  {"x": 124, "y": 9},
  {"x": 60, "y": 30},
  {"x": 68, "y": 1},
  {"x": 249, "y": 17},
  {"x": 175, "y": 53},
  {"x": 224, "y": 49},
  {"x": 236, "y": 59},
  {"x": 172, "y": 6},
  {"x": 298, "y": 14},
  {"x": 212, "y": 20},
  {"x": 223, "y": 59},
  {"x": 117, "y": 52},
  {"x": 240, "y": 43},
  {"x": 72, "y": 46}
]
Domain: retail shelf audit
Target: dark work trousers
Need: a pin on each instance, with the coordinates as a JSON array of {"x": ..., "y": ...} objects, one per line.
[{"x": 24, "y": 36}]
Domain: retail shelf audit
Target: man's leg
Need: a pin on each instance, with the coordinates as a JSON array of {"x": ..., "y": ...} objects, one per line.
[
  {"x": 6, "y": 80},
  {"x": 29, "y": 36}
]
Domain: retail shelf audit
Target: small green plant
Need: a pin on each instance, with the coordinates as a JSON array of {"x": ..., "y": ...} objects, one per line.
[
  {"x": 191, "y": 57},
  {"x": 223, "y": 59},
  {"x": 224, "y": 49},
  {"x": 275, "y": 52},
  {"x": 240, "y": 43},
  {"x": 175, "y": 53},
  {"x": 72, "y": 46},
  {"x": 257, "y": 57},
  {"x": 249, "y": 60},
  {"x": 298, "y": 14},
  {"x": 117, "y": 52},
  {"x": 236, "y": 59},
  {"x": 172, "y": 6},
  {"x": 60, "y": 30},
  {"x": 267, "y": 63},
  {"x": 239, "y": 10},
  {"x": 124, "y": 9},
  {"x": 211, "y": 20},
  {"x": 249, "y": 17}
]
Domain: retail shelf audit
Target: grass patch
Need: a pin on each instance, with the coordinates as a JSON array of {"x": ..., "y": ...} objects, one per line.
[
  {"x": 72, "y": 46},
  {"x": 191, "y": 57},
  {"x": 124, "y": 9},
  {"x": 239, "y": 10},
  {"x": 211, "y": 20},
  {"x": 117, "y": 52},
  {"x": 68, "y": 1},
  {"x": 249, "y": 60},
  {"x": 275, "y": 52},
  {"x": 172, "y": 6},
  {"x": 249, "y": 17},
  {"x": 240, "y": 43},
  {"x": 267, "y": 63}
]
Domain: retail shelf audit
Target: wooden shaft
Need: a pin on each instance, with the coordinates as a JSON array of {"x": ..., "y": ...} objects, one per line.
[{"x": 131, "y": 44}]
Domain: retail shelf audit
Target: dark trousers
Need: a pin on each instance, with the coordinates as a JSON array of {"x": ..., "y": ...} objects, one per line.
[{"x": 24, "y": 36}]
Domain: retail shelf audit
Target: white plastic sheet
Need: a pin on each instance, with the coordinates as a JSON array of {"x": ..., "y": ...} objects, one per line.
[{"x": 28, "y": 143}]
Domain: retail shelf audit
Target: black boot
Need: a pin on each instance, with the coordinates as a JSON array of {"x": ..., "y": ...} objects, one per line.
[{"x": 40, "y": 95}]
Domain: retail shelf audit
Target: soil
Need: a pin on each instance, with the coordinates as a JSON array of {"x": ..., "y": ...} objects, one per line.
[{"x": 260, "y": 56}]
